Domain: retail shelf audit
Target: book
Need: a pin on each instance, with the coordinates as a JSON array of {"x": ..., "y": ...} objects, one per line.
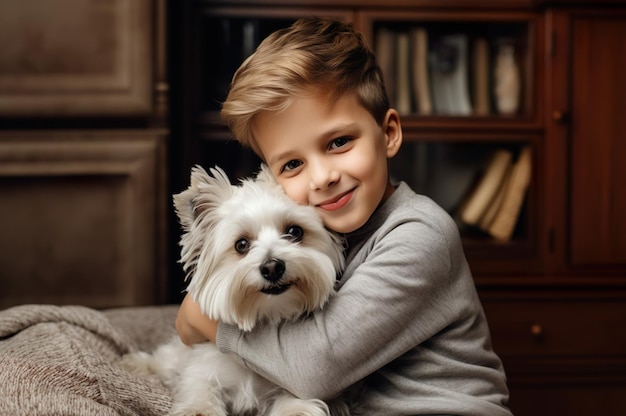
[
  {"x": 403, "y": 80},
  {"x": 419, "y": 66},
  {"x": 480, "y": 76},
  {"x": 507, "y": 79},
  {"x": 385, "y": 55},
  {"x": 503, "y": 224},
  {"x": 448, "y": 70},
  {"x": 484, "y": 193},
  {"x": 250, "y": 37},
  {"x": 494, "y": 206}
]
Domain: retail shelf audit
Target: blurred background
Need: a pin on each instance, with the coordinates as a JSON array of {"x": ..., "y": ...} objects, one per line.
[{"x": 513, "y": 113}]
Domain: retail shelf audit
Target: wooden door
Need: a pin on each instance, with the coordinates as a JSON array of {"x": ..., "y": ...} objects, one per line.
[
  {"x": 587, "y": 140},
  {"x": 598, "y": 140}
]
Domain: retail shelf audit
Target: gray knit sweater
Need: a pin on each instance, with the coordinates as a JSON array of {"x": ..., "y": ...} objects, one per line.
[{"x": 406, "y": 321}]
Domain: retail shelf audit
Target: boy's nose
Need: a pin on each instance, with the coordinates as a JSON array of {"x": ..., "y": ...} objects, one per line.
[{"x": 323, "y": 177}]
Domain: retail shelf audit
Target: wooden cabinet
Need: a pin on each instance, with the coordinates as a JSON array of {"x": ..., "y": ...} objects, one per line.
[
  {"x": 563, "y": 350},
  {"x": 68, "y": 58},
  {"x": 554, "y": 291},
  {"x": 83, "y": 115},
  {"x": 79, "y": 217},
  {"x": 567, "y": 333}
]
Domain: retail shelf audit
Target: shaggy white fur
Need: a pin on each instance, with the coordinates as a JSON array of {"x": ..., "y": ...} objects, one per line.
[{"x": 252, "y": 255}]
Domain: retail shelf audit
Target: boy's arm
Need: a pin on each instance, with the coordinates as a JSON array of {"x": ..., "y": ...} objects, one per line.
[
  {"x": 393, "y": 302},
  {"x": 192, "y": 325}
]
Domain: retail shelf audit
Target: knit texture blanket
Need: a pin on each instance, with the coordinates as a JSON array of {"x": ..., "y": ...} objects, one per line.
[{"x": 65, "y": 360}]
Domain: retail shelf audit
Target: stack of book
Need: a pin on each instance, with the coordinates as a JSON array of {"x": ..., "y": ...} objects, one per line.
[
  {"x": 448, "y": 74},
  {"x": 495, "y": 203}
]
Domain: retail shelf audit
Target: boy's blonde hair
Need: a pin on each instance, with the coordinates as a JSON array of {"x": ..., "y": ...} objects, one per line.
[{"x": 313, "y": 55}]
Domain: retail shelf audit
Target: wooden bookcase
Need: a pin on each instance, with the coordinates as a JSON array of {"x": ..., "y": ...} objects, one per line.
[{"x": 555, "y": 291}]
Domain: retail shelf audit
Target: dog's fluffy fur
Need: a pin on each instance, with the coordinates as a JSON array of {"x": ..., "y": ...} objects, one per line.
[{"x": 252, "y": 255}]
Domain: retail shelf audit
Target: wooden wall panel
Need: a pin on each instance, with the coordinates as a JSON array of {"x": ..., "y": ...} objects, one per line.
[
  {"x": 81, "y": 218},
  {"x": 75, "y": 57}
]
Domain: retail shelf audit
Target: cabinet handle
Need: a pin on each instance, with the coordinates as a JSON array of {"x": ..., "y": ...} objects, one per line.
[
  {"x": 536, "y": 330},
  {"x": 559, "y": 116}
]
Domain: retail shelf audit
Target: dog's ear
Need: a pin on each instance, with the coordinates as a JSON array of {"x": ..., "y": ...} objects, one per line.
[
  {"x": 205, "y": 192},
  {"x": 264, "y": 175}
]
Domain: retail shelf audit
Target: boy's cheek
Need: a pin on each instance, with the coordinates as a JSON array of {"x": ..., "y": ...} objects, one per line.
[{"x": 296, "y": 191}]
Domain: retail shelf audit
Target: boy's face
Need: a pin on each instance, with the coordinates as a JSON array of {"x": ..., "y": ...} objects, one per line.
[{"x": 332, "y": 156}]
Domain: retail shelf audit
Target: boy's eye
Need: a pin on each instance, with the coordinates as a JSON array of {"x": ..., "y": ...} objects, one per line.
[
  {"x": 339, "y": 142},
  {"x": 291, "y": 165}
]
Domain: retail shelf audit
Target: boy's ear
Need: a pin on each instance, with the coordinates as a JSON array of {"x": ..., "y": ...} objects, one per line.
[{"x": 393, "y": 132}]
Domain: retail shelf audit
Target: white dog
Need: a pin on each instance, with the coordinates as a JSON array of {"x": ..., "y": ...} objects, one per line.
[{"x": 252, "y": 255}]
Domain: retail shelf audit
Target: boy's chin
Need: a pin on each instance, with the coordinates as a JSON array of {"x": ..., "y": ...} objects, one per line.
[{"x": 342, "y": 224}]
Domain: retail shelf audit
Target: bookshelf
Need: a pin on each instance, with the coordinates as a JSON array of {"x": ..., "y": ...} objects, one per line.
[{"x": 522, "y": 69}]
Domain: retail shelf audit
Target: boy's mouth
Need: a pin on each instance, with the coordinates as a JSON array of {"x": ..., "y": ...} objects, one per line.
[{"x": 337, "y": 202}]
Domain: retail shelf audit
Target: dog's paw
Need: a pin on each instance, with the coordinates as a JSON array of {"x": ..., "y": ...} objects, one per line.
[
  {"x": 138, "y": 363},
  {"x": 146, "y": 366}
]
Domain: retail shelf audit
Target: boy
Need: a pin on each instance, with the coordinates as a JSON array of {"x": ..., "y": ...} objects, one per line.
[{"x": 406, "y": 320}]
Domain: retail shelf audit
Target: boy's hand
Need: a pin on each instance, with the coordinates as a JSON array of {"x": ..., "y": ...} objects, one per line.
[{"x": 192, "y": 325}]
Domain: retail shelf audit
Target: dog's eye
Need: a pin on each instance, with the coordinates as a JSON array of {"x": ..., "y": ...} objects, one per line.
[
  {"x": 242, "y": 246},
  {"x": 295, "y": 232}
]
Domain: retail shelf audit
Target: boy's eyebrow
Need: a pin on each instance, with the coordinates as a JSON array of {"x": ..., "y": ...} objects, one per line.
[
  {"x": 338, "y": 129},
  {"x": 278, "y": 157}
]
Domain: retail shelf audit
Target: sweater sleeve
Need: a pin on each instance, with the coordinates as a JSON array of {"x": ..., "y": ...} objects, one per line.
[{"x": 397, "y": 297}]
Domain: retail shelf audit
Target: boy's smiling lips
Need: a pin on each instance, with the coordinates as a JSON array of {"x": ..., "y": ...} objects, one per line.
[{"x": 337, "y": 202}]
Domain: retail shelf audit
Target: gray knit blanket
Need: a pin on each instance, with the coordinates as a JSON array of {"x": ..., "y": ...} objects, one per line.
[{"x": 65, "y": 360}]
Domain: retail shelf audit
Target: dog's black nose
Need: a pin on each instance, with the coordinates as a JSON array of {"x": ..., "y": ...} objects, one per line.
[{"x": 273, "y": 269}]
